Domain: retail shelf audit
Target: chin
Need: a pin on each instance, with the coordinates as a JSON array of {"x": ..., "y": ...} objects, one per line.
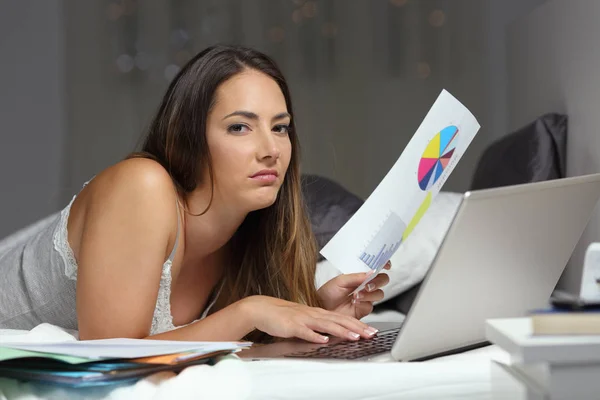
[{"x": 262, "y": 200}]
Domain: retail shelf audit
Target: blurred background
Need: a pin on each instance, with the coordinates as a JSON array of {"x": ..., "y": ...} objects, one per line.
[{"x": 79, "y": 80}]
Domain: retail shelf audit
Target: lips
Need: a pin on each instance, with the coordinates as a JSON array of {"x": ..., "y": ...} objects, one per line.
[{"x": 265, "y": 173}]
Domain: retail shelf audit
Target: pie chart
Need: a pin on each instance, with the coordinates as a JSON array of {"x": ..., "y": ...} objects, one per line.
[{"x": 436, "y": 157}]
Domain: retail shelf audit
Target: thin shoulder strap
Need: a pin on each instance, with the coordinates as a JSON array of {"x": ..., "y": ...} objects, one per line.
[{"x": 172, "y": 255}]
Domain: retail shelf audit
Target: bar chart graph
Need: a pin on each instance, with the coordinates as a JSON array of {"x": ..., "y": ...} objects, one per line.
[{"x": 384, "y": 243}]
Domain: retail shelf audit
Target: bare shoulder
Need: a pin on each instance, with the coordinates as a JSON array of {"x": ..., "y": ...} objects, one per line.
[
  {"x": 136, "y": 176},
  {"x": 136, "y": 181},
  {"x": 135, "y": 191}
]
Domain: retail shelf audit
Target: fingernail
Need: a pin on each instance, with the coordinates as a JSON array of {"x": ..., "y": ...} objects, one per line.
[
  {"x": 354, "y": 335},
  {"x": 324, "y": 338},
  {"x": 358, "y": 296},
  {"x": 354, "y": 301},
  {"x": 371, "y": 331},
  {"x": 370, "y": 287}
]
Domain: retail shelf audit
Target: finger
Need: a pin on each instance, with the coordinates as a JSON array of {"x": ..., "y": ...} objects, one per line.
[
  {"x": 363, "y": 296},
  {"x": 378, "y": 282},
  {"x": 346, "y": 320},
  {"x": 331, "y": 327},
  {"x": 388, "y": 265},
  {"x": 305, "y": 333},
  {"x": 350, "y": 281},
  {"x": 351, "y": 324},
  {"x": 363, "y": 308}
]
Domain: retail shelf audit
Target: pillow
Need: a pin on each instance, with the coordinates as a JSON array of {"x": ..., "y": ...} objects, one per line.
[
  {"x": 535, "y": 152},
  {"x": 329, "y": 206},
  {"x": 412, "y": 260}
]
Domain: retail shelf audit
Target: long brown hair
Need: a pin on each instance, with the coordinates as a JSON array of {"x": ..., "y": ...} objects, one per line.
[{"x": 273, "y": 253}]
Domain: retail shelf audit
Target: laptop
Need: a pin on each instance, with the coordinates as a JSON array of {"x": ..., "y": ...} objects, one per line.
[{"x": 502, "y": 256}]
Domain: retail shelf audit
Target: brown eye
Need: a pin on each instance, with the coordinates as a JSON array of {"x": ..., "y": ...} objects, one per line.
[
  {"x": 282, "y": 128},
  {"x": 237, "y": 128}
]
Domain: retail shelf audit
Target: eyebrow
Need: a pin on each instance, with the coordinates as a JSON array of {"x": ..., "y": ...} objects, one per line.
[{"x": 251, "y": 115}]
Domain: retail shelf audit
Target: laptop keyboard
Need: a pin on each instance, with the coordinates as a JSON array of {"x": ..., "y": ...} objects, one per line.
[{"x": 348, "y": 350}]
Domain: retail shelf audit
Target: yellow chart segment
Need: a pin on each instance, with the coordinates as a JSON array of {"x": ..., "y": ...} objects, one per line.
[
  {"x": 433, "y": 148},
  {"x": 418, "y": 215}
]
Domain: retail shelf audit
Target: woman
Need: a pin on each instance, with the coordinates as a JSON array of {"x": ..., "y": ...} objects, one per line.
[{"x": 200, "y": 236}]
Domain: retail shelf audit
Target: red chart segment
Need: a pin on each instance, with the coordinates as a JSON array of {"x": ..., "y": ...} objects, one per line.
[
  {"x": 425, "y": 167},
  {"x": 448, "y": 154}
]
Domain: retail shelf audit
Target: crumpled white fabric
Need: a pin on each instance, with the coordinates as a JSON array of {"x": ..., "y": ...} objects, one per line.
[
  {"x": 465, "y": 375},
  {"x": 42, "y": 333}
]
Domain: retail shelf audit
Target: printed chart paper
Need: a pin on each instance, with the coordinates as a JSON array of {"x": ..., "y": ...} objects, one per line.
[{"x": 368, "y": 240}]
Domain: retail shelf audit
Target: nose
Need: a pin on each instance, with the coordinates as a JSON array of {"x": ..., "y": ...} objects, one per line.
[{"x": 268, "y": 148}]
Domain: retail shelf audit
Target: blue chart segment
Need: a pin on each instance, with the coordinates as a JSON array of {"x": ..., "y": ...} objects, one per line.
[{"x": 385, "y": 242}]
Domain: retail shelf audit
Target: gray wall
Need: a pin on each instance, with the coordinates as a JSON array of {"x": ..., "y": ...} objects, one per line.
[
  {"x": 499, "y": 16},
  {"x": 31, "y": 111},
  {"x": 554, "y": 64},
  {"x": 101, "y": 104}
]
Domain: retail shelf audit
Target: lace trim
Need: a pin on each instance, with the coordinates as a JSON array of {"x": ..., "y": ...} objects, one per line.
[
  {"x": 61, "y": 243},
  {"x": 162, "y": 320}
]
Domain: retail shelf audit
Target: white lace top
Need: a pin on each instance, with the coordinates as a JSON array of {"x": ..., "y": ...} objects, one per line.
[{"x": 162, "y": 320}]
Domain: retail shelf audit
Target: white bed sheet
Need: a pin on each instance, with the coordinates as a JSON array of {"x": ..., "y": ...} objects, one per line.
[{"x": 465, "y": 376}]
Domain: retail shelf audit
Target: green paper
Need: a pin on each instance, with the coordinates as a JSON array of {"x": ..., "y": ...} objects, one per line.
[{"x": 7, "y": 353}]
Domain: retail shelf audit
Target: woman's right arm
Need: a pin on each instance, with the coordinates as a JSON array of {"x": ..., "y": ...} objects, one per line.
[{"x": 127, "y": 220}]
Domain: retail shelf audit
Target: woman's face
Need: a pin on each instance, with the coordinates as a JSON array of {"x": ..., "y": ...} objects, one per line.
[{"x": 247, "y": 134}]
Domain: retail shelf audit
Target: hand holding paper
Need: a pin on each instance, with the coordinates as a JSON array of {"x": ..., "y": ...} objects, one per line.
[{"x": 336, "y": 293}]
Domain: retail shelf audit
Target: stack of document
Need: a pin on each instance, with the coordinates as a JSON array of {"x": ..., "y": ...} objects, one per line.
[
  {"x": 547, "y": 366},
  {"x": 107, "y": 361}
]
